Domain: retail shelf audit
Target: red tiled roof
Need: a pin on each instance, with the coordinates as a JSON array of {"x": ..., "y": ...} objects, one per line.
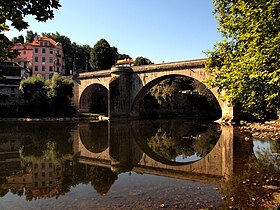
[{"x": 37, "y": 40}]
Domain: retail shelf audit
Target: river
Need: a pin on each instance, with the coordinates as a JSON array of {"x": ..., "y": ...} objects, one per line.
[{"x": 173, "y": 164}]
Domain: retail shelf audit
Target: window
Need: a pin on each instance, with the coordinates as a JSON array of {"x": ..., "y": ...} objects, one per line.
[
  {"x": 35, "y": 165},
  {"x": 43, "y": 174},
  {"x": 43, "y": 165},
  {"x": 24, "y": 52},
  {"x": 51, "y": 51},
  {"x": 43, "y": 68},
  {"x": 36, "y": 184},
  {"x": 51, "y": 60},
  {"x": 43, "y": 59},
  {"x": 50, "y": 68},
  {"x": 36, "y": 59},
  {"x": 41, "y": 43},
  {"x": 36, "y": 50},
  {"x": 50, "y": 174},
  {"x": 35, "y": 68},
  {"x": 36, "y": 175},
  {"x": 43, "y": 184},
  {"x": 43, "y": 50}
]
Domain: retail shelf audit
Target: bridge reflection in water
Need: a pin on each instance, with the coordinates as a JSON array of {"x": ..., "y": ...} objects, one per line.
[{"x": 202, "y": 152}]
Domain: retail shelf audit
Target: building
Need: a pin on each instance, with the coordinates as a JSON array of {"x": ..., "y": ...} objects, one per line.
[
  {"x": 11, "y": 75},
  {"x": 43, "y": 56}
]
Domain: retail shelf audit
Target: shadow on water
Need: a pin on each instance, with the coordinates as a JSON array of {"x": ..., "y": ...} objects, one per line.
[{"x": 120, "y": 160}]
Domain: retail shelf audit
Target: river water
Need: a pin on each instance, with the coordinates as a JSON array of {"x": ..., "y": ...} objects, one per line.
[{"x": 171, "y": 164}]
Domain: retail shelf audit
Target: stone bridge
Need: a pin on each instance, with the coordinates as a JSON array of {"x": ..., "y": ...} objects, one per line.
[{"x": 122, "y": 88}]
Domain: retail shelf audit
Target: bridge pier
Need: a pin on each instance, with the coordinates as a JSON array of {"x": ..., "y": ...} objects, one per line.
[{"x": 119, "y": 99}]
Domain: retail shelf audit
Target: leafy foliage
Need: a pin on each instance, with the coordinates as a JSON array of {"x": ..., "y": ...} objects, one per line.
[
  {"x": 119, "y": 56},
  {"x": 102, "y": 56},
  {"x": 246, "y": 64},
  {"x": 30, "y": 36},
  {"x": 15, "y": 12},
  {"x": 19, "y": 39},
  {"x": 163, "y": 91},
  {"x": 139, "y": 61},
  {"x": 48, "y": 97},
  {"x": 5, "y": 46},
  {"x": 32, "y": 87}
]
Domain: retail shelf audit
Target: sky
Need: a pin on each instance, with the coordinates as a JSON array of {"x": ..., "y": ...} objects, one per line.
[{"x": 161, "y": 30}]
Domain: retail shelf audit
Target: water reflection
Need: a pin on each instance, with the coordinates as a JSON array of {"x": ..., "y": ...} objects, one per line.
[
  {"x": 186, "y": 143},
  {"x": 48, "y": 160}
]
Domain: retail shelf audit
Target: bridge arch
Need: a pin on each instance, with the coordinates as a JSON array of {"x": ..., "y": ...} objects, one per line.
[
  {"x": 210, "y": 95},
  {"x": 94, "y": 136},
  {"x": 94, "y": 99}
]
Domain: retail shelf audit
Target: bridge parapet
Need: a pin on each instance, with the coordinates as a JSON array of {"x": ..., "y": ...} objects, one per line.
[{"x": 190, "y": 64}]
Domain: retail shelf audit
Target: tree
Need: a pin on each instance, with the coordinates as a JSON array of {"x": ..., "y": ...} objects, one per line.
[
  {"x": 32, "y": 86},
  {"x": 119, "y": 56},
  {"x": 102, "y": 56},
  {"x": 246, "y": 64},
  {"x": 59, "y": 92},
  {"x": 82, "y": 55},
  {"x": 15, "y": 12},
  {"x": 48, "y": 97},
  {"x": 19, "y": 39},
  {"x": 139, "y": 61},
  {"x": 30, "y": 36}
]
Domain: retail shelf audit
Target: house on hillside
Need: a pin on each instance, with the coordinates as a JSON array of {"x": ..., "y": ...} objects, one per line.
[{"x": 43, "y": 56}]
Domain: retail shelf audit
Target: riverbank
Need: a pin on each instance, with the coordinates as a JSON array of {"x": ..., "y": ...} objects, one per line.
[
  {"x": 81, "y": 117},
  {"x": 266, "y": 130}
]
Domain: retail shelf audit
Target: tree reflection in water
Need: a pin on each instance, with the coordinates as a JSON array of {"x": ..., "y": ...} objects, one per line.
[
  {"x": 197, "y": 140},
  {"x": 102, "y": 179}
]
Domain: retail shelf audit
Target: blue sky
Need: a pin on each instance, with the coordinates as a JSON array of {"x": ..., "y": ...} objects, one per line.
[{"x": 161, "y": 30}]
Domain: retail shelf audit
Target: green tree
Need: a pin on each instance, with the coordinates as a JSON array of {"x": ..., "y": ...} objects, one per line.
[
  {"x": 19, "y": 39},
  {"x": 119, "y": 56},
  {"x": 48, "y": 97},
  {"x": 32, "y": 86},
  {"x": 59, "y": 93},
  {"x": 246, "y": 64},
  {"x": 15, "y": 12},
  {"x": 163, "y": 91},
  {"x": 30, "y": 36},
  {"x": 82, "y": 55},
  {"x": 139, "y": 61},
  {"x": 102, "y": 56},
  {"x": 34, "y": 92}
]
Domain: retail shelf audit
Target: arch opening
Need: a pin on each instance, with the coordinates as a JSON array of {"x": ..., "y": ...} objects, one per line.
[
  {"x": 94, "y": 99},
  {"x": 94, "y": 136},
  {"x": 176, "y": 96}
]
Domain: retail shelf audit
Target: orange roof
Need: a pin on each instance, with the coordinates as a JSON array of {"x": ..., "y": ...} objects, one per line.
[
  {"x": 125, "y": 61},
  {"x": 43, "y": 38}
]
